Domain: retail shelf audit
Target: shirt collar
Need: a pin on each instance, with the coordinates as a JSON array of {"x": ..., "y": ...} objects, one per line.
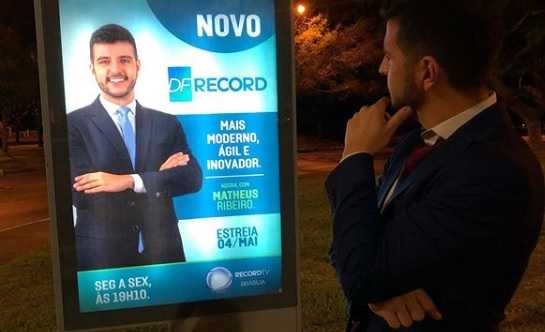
[
  {"x": 112, "y": 108},
  {"x": 448, "y": 127}
]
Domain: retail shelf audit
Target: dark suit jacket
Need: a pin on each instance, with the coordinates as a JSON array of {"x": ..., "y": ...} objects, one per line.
[
  {"x": 108, "y": 224},
  {"x": 461, "y": 226}
]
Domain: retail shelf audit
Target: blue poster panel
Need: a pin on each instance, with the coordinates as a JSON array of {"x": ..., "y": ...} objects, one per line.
[{"x": 172, "y": 110}]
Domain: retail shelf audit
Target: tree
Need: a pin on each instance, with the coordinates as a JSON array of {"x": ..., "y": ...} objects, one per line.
[
  {"x": 339, "y": 60},
  {"x": 338, "y": 52},
  {"x": 18, "y": 77},
  {"x": 522, "y": 69},
  {"x": 336, "y": 67}
]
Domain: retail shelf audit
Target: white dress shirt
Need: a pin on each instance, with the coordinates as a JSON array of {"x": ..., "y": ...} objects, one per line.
[
  {"x": 112, "y": 108},
  {"x": 448, "y": 127}
]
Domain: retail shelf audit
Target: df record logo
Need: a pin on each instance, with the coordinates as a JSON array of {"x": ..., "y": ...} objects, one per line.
[
  {"x": 217, "y": 25},
  {"x": 182, "y": 84}
]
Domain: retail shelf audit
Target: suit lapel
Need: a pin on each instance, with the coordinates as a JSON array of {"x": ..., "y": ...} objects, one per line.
[
  {"x": 396, "y": 165},
  {"x": 388, "y": 182},
  {"x": 104, "y": 123},
  {"x": 435, "y": 160},
  {"x": 144, "y": 123},
  {"x": 481, "y": 127}
]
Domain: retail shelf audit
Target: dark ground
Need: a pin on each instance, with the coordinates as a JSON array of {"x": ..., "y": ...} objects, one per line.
[
  {"x": 23, "y": 202},
  {"x": 25, "y": 265}
]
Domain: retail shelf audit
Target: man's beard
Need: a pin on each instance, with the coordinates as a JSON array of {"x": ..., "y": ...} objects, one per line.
[
  {"x": 412, "y": 96},
  {"x": 104, "y": 88}
]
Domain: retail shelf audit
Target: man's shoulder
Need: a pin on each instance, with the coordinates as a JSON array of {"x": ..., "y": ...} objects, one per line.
[
  {"x": 82, "y": 113},
  {"x": 508, "y": 159}
]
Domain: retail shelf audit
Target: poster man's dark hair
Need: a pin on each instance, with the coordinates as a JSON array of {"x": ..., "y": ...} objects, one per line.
[{"x": 109, "y": 34}]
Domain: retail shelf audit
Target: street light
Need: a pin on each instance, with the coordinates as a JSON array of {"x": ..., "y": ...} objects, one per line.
[{"x": 301, "y": 9}]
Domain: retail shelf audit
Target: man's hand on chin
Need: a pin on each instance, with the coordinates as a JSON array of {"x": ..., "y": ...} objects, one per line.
[
  {"x": 93, "y": 183},
  {"x": 406, "y": 309},
  {"x": 371, "y": 128}
]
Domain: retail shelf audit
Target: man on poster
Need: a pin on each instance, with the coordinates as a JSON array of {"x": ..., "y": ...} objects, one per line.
[
  {"x": 442, "y": 243},
  {"x": 127, "y": 163}
]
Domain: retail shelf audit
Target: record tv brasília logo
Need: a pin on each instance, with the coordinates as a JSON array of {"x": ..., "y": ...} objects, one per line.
[
  {"x": 182, "y": 85},
  {"x": 219, "y": 279}
]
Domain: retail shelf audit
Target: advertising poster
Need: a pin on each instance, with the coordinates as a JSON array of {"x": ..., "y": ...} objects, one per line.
[{"x": 172, "y": 113}]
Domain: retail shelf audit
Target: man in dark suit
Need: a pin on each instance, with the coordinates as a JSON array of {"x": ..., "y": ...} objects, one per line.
[
  {"x": 127, "y": 163},
  {"x": 443, "y": 241}
]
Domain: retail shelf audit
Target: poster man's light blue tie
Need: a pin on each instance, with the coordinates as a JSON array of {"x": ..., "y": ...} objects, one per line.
[{"x": 127, "y": 132}]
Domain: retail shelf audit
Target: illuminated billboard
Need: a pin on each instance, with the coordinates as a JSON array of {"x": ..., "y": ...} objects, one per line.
[{"x": 177, "y": 184}]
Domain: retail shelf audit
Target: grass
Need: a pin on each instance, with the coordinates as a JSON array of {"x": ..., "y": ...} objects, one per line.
[{"x": 27, "y": 293}]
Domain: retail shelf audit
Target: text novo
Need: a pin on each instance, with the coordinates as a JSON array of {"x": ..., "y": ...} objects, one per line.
[{"x": 222, "y": 25}]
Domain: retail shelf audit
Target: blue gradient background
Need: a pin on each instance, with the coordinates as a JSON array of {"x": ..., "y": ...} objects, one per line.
[{"x": 158, "y": 50}]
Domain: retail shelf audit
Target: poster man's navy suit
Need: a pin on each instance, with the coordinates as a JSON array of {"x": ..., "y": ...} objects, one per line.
[
  {"x": 108, "y": 224},
  {"x": 461, "y": 226}
]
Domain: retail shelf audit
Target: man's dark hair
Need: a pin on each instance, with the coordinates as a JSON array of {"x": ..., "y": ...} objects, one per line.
[
  {"x": 463, "y": 36},
  {"x": 109, "y": 34}
]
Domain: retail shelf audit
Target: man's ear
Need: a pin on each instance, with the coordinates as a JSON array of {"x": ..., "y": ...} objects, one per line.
[
  {"x": 429, "y": 70},
  {"x": 92, "y": 68}
]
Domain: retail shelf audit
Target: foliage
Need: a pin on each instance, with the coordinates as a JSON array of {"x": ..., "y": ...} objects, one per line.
[
  {"x": 522, "y": 65},
  {"x": 338, "y": 51},
  {"x": 18, "y": 74},
  {"x": 340, "y": 60}
]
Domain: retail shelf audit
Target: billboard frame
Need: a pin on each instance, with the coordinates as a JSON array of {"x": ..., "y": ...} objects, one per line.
[{"x": 69, "y": 318}]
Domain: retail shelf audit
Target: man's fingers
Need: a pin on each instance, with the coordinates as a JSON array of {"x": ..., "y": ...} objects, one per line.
[
  {"x": 173, "y": 157},
  {"x": 171, "y": 160},
  {"x": 179, "y": 162},
  {"x": 95, "y": 190},
  {"x": 166, "y": 165},
  {"x": 374, "y": 307},
  {"x": 388, "y": 315},
  {"x": 427, "y": 304},
  {"x": 177, "y": 159},
  {"x": 363, "y": 109},
  {"x": 85, "y": 181},
  {"x": 406, "y": 309},
  {"x": 390, "y": 318},
  {"x": 404, "y": 317},
  {"x": 87, "y": 177},
  {"x": 382, "y": 104},
  {"x": 179, "y": 155},
  {"x": 415, "y": 309},
  {"x": 82, "y": 178},
  {"x": 88, "y": 186},
  {"x": 168, "y": 161},
  {"x": 397, "y": 119}
]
